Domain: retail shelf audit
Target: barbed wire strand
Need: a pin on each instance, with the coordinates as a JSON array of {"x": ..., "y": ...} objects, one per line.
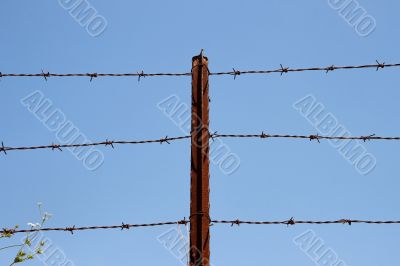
[
  {"x": 310, "y": 137},
  {"x": 234, "y": 72},
  {"x": 291, "y": 221},
  {"x": 83, "y": 228},
  {"x": 93, "y": 75},
  {"x": 282, "y": 70},
  {"x": 213, "y": 136},
  {"x": 110, "y": 143},
  {"x": 123, "y": 226}
]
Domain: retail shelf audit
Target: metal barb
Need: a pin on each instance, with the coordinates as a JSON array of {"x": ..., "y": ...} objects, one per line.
[
  {"x": 380, "y": 65},
  {"x": 6, "y": 231},
  {"x": 213, "y": 135},
  {"x": 263, "y": 135},
  {"x": 284, "y": 69},
  {"x": 125, "y": 226},
  {"x": 235, "y": 73},
  {"x": 365, "y": 138},
  {"x": 184, "y": 221},
  {"x": 346, "y": 221},
  {"x": 140, "y": 75},
  {"x": 317, "y": 137},
  {"x": 237, "y": 222},
  {"x": 45, "y": 75},
  {"x": 70, "y": 229},
  {"x": 291, "y": 222},
  {"x": 331, "y": 68},
  {"x": 3, "y": 149},
  {"x": 55, "y": 146},
  {"x": 166, "y": 139},
  {"x": 109, "y": 143},
  {"x": 93, "y": 75}
]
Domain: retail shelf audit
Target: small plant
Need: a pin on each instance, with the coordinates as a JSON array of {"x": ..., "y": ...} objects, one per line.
[{"x": 27, "y": 251}]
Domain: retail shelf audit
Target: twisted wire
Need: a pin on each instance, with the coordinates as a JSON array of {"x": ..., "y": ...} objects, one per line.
[{"x": 282, "y": 70}]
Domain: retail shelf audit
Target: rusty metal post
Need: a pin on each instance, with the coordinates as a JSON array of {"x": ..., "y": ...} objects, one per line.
[{"x": 200, "y": 190}]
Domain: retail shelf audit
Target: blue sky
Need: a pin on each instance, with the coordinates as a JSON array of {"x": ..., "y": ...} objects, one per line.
[{"x": 277, "y": 178}]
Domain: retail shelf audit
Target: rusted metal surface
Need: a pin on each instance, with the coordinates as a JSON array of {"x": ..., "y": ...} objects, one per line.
[{"x": 199, "y": 252}]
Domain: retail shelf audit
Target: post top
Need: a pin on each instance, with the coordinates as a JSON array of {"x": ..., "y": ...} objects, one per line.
[{"x": 201, "y": 55}]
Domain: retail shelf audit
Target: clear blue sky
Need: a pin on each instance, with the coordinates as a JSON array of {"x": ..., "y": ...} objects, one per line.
[{"x": 277, "y": 179}]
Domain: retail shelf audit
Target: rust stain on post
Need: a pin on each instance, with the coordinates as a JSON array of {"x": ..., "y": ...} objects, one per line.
[{"x": 200, "y": 190}]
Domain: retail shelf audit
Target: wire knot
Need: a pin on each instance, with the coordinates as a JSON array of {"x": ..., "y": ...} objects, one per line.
[
  {"x": 380, "y": 65},
  {"x": 284, "y": 70},
  {"x": 290, "y": 222},
  {"x": 263, "y": 135},
  {"x": 3, "y": 149},
  {"x": 184, "y": 221},
  {"x": 165, "y": 140},
  {"x": 213, "y": 135},
  {"x": 346, "y": 221},
  {"x": 45, "y": 75},
  {"x": 125, "y": 226},
  {"x": 55, "y": 146},
  {"x": 331, "y": 68},
  {"x": 141, "y": 74},
  {"x": 312, "y": 137},
  {"x": 365, "y": 138},
  {"x": 109, "y": 143},
  {"x": 237, "y": 222},
  {"x": 236, "y": 73},
  {"x": 7, "y": 232},
  {"x": 93, "y": 75},
  {"x": 70, "y": 229}
]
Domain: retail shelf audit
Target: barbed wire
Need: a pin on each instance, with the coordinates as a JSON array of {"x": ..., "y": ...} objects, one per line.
[
  {"x": 71, "y": 229},
  {"x": 310, "y": 137},
  {"x": 213, "y": 136},
  {"x": 282, "y": 70},
  {"x": 123, "y": 226},
  {"x": 110, "y": 143},
  {"x": 140, "y": 75},
  {"x": 291, "y": 221}
]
